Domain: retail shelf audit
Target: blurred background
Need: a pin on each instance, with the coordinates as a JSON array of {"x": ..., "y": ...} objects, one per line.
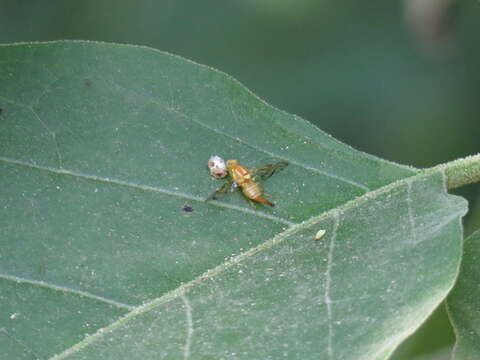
[{"x": 396, "y": 79}]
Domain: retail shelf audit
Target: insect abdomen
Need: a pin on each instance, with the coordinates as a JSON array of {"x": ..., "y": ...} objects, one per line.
[{"x": 252, "y": 190}]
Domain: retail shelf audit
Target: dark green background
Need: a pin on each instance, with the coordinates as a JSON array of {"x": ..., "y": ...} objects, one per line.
[{"x": 353, "y": 68}]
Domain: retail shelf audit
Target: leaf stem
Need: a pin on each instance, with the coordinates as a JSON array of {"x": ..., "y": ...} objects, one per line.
[{"x": 461, "y": 171}]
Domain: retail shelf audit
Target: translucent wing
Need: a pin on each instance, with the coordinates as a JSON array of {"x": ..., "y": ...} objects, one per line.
[
  {"x": 266, "y": 171},
  {"x": 221, "y": 191}
]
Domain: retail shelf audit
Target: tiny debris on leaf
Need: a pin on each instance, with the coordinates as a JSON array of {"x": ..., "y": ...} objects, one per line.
[
  {"x": 187, "y": 209},
  {"x": 320, "y": 234}
]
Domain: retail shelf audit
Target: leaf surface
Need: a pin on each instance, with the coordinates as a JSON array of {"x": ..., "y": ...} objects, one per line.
[
  {"x": 103, "y": 146},
  {"x": 464, "y": 304}
]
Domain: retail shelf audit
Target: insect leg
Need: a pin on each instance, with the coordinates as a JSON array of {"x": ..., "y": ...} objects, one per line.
[
  {"x": 251, "y": 203},
  {"x": 220, "y": 191}
]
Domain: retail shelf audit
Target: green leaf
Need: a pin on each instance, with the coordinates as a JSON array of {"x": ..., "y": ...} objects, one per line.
[
  {"x": 464, "y": 303},
  {"x": 102, "y": 146}
]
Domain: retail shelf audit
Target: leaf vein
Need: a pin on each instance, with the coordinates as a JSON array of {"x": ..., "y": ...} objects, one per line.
[
  {"x": 188, "y": 313},
  {"x": 147, "y": 188},
  {"x": 44, "y": 125},
  {"x": 411, "y": 218},
  {"x": 328, "y": 282},
  {"x": 272, "y": 154},
  {"x": 52, "y": 134},
  {"x": 255, "y": 147},
  {"x": 65, "y": 289},
  {"x": 21, "y": 343}
]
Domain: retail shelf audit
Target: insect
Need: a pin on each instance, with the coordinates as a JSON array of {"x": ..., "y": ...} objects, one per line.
[{"x": 247, "y": 180}]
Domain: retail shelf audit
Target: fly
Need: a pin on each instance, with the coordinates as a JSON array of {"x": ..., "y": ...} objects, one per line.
[{"x": 248, "y": 181}]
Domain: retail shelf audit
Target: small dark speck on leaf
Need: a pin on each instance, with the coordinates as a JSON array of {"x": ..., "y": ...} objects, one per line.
[
  {"x": 88, "y": 83},
  {"x": 187, "y": 209},
  {"x": 1, "y": 110}
]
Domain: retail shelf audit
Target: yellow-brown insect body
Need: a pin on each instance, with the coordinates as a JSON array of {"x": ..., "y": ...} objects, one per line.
[{"x": 243, "y": 177}]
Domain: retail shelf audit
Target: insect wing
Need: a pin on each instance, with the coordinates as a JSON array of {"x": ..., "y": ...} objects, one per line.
[{"x": 266, "y": 171}]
